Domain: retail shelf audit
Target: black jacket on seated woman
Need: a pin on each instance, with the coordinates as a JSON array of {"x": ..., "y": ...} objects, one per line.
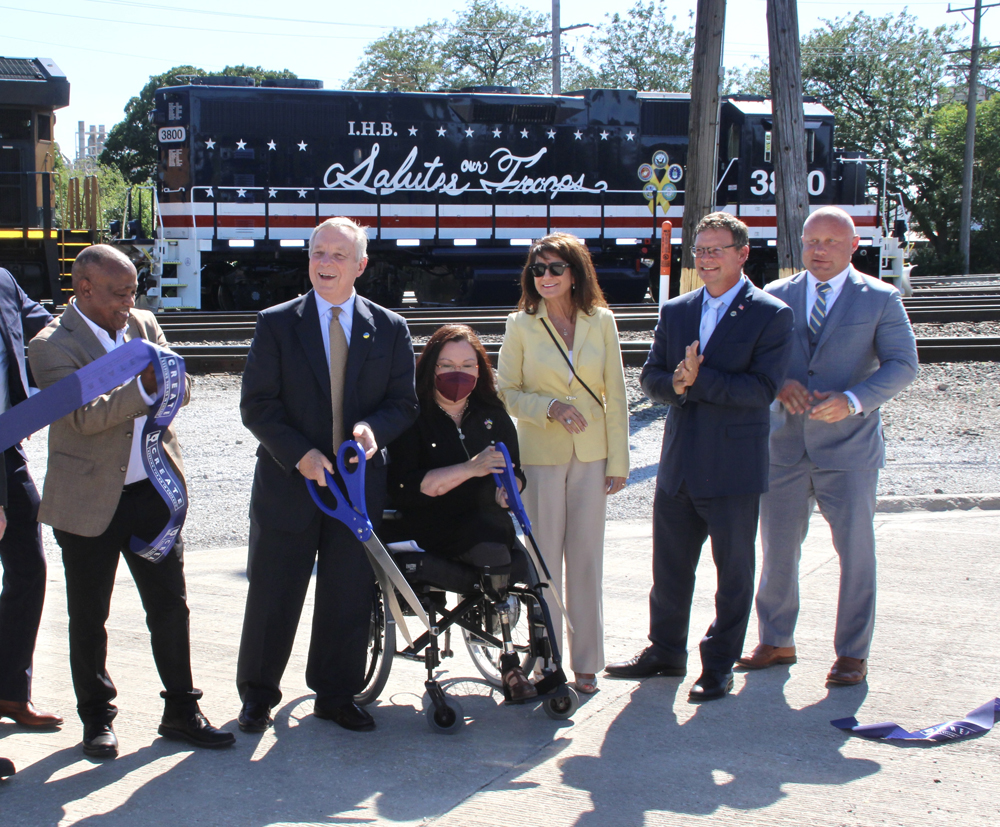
[{"x": 440, "y": 474}]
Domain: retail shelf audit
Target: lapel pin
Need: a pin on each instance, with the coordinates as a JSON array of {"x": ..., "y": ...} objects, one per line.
[
  {"x": 365, "y": 335},
  {"x": 733, "y": 312},
  {"x": 741, "y": 307},
  {"x": 489, "y": 424}
]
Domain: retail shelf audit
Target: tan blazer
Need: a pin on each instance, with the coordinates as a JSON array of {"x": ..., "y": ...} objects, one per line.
[
  {"x": 532, "y": 374},
  {"x": 89, "y": 448}
]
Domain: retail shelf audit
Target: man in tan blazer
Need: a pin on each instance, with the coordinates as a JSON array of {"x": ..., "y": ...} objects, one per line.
[{"x": 97, "y": 496}]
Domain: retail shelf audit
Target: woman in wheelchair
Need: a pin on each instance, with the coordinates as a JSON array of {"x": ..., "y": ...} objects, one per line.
[{"x": 440, "y": 473}]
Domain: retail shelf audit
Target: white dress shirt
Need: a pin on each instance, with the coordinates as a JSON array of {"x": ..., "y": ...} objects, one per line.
[
  {"x": 836, "y": 288},
  {"x": 346, "y": 320},
  {"x": 712, "y": 308},
  {"x": 136, "y": 470}
]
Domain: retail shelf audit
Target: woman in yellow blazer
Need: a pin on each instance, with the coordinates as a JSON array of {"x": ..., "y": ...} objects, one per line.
[{"x": 572, "y": 427}]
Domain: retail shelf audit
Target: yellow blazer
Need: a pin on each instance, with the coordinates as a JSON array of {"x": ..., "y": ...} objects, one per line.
[{"x": 532, "y": 373}]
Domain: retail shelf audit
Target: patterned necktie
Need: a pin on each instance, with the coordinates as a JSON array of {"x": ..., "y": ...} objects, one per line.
[
  {"x": 818, "y": 313},
  {"x": 338, "y": 362}
]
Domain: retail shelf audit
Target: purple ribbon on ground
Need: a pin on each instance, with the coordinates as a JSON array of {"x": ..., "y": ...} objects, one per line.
[
  {"x": 99, "y": 377},
  {"x": 977, "y": 722}
]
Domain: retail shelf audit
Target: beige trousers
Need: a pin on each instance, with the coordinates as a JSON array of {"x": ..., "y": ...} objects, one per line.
[{"x": 566, "y": 505}]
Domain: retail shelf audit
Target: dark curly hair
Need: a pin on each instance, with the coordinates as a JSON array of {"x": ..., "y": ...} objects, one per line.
[
  {"x": 586, "y": 293},
  {"x": 485, "y": 390}
]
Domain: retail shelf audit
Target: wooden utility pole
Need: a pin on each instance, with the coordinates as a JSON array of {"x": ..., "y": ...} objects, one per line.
[
  {"x": 788, "y": 145},
  {"x": 556, "y": 50},
  {"x": 703, "y": 129}
]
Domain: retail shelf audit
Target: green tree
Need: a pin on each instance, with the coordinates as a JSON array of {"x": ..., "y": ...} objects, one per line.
[
  {"x": 882, "y": 78},
  {"x": 495, "y": 45},
  {"x": 131, "y": 143},
  {"x": 407, "y": 59},
  {"x": 642, "y": 49}
]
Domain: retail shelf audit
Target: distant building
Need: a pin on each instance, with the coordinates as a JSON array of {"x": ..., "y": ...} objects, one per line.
[
  {"x": 89, "y": 145},
  {"x": 960, "y": 94}
]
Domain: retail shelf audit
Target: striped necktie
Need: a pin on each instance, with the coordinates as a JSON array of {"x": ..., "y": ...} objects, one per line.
[
  {"x": 338, "y": 362},
  {"x": 818, "y": 313}
]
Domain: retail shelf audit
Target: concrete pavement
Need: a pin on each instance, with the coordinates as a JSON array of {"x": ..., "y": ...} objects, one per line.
[{"x": 634, "y": 754}]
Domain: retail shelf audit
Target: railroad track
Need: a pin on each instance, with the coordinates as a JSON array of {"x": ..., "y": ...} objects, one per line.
[{"x": 232, "y": 358}]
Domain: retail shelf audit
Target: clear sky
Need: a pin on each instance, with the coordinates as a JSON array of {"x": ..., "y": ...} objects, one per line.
[{"x": 109, "y": 48}]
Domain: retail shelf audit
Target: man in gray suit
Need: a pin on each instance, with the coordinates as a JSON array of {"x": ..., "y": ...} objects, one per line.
[{"x": 853, "y": 350}]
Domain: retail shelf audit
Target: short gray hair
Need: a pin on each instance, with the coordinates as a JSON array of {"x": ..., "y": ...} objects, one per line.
[
  {"x": 347, "y": 225},
  {"x": 725, "y": 221}
]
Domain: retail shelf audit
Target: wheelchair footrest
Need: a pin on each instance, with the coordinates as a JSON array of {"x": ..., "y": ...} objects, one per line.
[{"x": 551, "y": 682}]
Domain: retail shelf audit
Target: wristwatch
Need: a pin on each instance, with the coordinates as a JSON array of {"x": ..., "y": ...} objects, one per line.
[{"x": 851, "y": 410}]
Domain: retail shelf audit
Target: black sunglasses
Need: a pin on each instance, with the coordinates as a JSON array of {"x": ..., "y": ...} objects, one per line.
[{"x": 538, "y": 269}]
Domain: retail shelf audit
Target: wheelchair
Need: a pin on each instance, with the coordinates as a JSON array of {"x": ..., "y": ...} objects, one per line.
[{"x": 479, "y": 620}]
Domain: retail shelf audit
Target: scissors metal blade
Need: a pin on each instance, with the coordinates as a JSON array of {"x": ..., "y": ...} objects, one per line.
[{"x": 384, "y": 561}]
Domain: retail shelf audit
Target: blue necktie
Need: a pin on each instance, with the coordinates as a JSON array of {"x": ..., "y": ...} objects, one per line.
[
  {"x": 818, "y": 313},
  {"x": 709, "y": 320}
]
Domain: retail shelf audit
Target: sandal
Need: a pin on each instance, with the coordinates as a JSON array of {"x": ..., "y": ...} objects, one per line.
[
  {"x": 517, "y": 687},
  {"x": 585, "y": 683}
]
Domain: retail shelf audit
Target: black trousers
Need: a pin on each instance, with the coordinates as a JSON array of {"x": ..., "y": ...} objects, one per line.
[
  {"x": 23, "y": 594},
  {"x": 279, "y": 568},
  {"x": 681, "y": 524},
  {"x": 91, "y": 563}
]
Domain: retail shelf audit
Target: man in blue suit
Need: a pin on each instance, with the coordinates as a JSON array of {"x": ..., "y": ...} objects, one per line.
[
  {"x": 853, "y": 350},
  {"x": 21, "y": 549},
  {"x": 324, "y": 367},
  {"x": 719, "y": 355}
]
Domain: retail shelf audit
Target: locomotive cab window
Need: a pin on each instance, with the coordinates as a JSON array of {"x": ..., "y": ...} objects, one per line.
[{"x": 44, "y": 121}]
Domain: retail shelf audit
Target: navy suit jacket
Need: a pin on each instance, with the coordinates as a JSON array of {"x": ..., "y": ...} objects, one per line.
[
  {"x": 286, "y": 401},
  {"x": 715, "y": 437},
  {"x": 20, "y": 319}
]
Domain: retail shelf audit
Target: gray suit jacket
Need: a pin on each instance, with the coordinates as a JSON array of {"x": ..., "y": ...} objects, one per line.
[{"x": 867, "y": 347}]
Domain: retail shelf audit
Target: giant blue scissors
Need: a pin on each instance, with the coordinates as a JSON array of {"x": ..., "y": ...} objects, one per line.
[
  {"x": 508, "y": 482},
  {"x": 351, "y": 510}
]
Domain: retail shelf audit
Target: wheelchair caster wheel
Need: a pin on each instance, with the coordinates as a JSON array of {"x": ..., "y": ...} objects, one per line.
[
  {"x": 447, "y": 719},
  {"x": 562, "y": 707}
]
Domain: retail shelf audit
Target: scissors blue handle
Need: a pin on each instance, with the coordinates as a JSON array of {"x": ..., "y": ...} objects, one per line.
[
  {"x": 349, "y": 508},
  {"x": 508, "y": 482}
]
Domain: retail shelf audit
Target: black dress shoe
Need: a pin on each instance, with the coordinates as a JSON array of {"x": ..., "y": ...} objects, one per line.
[
  {"x": 255, "y": 717},
  {"x": 644, "y": 665},
  {"x": 349, "y": 716},
  {"x": 711, "y": 686},
  {"x": 100, "y": 741},
  {"x": 7, "y": 768},
  {"x": 188, "y": 724}
]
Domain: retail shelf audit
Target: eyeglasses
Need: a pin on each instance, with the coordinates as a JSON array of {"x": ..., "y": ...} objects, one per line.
[
  {"x": 450, "y": 367},
  {"x": 713, "y": 252},
  {"x": 538, "y": 269}
]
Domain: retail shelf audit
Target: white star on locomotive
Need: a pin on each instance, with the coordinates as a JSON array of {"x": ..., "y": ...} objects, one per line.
[
  {"x": 552, "y": 134},
  {"x": 469, "y": 131},
  {"x": 241, "y": 193},
  {"x": 496, "y": 132},
  {"x": 441, "y": 131},
  {"x": 302, "y": 193},
  {"x": 412, "y": 131},
  {"x": 578, "y": 135},
  {"x": 209, "y": 192},
  {"x": 630, "y": 135},
  {"x": 209, "y": 144},
  {"x": 604, "y": 134},
  {"x": 302, "y": 146},
  {"x": 271, "y": 145},
  {"x": 241, "y": 144},
  {"x": 272, "y": 193},
  {"x": 524, "y": 133}
]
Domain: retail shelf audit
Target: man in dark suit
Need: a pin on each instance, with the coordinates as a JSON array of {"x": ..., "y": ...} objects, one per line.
[
  {"x": 713, "y": 465},
  {"x": 322, "y": 367},
  {"x": 21, "y": 551},
  {"x": 853, "y": 350}
]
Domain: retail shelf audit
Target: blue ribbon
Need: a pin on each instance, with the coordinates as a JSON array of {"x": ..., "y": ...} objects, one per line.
[
  {"x": 99, "y": 377},
  {"x": 977, "y": 722}
]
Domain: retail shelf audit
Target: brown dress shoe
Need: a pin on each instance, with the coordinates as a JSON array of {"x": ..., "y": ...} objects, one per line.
[
  {"x": 24, "y": 713},
  {"x": 766, "y": 655},
  {"x": 847, "y": 671}
]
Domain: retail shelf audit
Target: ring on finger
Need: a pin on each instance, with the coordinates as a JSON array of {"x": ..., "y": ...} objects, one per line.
[{"x": 569, "y": 421}]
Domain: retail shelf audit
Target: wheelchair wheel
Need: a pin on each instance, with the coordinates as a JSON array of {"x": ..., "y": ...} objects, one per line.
[
  {"x": 562, "y": 707},
  {"x": 447, "y": 720},
  {"x": 381, "y": 648},
  {"x": 485, "y": 656}
]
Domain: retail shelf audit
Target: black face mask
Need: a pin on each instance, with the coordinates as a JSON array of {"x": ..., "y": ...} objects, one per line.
[{"x": 455, "y": 384}]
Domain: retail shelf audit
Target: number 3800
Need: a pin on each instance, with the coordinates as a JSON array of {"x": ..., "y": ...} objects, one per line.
[{"x": 763, "y": 182}]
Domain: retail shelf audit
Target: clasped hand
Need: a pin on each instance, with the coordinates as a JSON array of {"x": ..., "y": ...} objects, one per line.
[
  {"x": 569, "y": 417},
  {"x": 687, "y": 369},
  {"x": 314, "y": 464},
  {"x": 822, "y": 406}
]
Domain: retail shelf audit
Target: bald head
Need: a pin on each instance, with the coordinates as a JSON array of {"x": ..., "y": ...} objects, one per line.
[
  {"x": 104, "y": 286},
  {"x": 828, "y": 242}
]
